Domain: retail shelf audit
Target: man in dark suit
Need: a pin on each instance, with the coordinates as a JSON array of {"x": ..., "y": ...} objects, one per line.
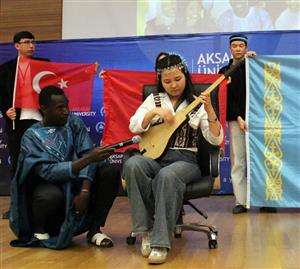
[{"x": 24, "y": 43}]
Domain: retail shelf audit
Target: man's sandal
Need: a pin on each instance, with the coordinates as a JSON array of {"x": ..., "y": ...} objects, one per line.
[{"x": 101, "y": 240}]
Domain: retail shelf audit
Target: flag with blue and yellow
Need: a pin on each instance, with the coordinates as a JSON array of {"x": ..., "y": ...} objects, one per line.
[{"x": 273, "y": 137}]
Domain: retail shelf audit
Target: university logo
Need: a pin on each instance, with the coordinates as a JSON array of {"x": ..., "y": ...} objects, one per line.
[
  {"x": 210, "y": 63},
  {"x": 102, "y": 113},
  {"x": 100, "y": 127}
]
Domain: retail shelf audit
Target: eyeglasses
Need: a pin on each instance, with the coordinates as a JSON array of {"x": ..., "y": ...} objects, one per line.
[{"x": 27, "y": 42}]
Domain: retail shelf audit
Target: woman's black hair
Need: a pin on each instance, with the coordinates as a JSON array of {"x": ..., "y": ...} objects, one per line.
[
  {"x": 160, "y": 56},
  {"x": 175, "y": 61}
]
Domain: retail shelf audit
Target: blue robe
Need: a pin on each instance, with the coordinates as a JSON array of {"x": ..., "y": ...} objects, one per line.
[{"x": 52, "y": 150}]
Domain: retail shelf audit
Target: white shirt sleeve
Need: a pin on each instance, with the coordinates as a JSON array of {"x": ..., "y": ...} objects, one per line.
[
  {"x": 136, "y": 120},
  {"x": 200, "y": 119}
]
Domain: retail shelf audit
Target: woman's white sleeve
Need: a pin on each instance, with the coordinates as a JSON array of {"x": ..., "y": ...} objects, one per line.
[{"x": 136, "y": 120}]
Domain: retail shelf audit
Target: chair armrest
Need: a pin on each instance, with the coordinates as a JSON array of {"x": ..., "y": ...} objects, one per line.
[{"x": 215, "y": 161}]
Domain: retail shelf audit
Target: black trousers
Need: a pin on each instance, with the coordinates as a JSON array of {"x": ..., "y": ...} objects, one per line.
[
  {"x": 48, "y": 202},
  {"x": 14, "y": 140}
]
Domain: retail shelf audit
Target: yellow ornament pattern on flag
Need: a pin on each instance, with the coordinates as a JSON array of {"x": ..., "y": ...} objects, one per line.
[{"x": 272, "y": 131}]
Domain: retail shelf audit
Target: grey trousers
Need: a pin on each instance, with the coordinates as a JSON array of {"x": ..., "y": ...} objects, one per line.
[
  {"x": 155, "y": 190},
  {"x": 238, "y": 162}
]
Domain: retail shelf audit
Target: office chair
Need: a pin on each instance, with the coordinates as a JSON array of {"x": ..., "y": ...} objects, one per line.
[{"x": 208, "y": 159}]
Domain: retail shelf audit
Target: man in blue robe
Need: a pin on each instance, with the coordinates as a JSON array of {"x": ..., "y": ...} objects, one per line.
[{"x": 63, "y": 185}]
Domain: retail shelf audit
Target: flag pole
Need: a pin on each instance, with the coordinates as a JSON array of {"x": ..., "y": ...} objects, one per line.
[
  {"x": 96, "y": 66},
  {"x": 14, "y": 93}
]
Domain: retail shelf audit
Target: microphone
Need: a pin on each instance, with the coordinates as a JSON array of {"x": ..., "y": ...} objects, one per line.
[{"x": 134, "y": 140}]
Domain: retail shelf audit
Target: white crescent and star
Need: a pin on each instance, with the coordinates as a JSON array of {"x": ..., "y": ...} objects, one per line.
[
  {"x": 36, "y": 81},
  {"x": 63, "y": 84}
]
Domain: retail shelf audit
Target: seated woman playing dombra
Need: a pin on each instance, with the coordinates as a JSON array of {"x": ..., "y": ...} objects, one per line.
[{"x": 156, "y": 187}]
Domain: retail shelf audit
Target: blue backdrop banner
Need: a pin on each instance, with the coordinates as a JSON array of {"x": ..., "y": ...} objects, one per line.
[
  {"x": 274, "y": 128},
  {"x": 204, "y": 53}
]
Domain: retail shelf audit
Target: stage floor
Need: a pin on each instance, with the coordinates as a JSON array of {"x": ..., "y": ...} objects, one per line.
[{"x": 251, "y": 240}]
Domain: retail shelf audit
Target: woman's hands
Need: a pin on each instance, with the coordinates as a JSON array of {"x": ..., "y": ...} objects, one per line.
[
  {"x": 206, "y": 101},
  {"x": 214, "y": 124},
  {"x": 164, "y": 113}
]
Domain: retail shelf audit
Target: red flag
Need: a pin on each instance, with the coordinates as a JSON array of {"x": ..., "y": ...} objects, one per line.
[
  {"x": 76, "y": 80},
  {"x": 123, "y": 95}
]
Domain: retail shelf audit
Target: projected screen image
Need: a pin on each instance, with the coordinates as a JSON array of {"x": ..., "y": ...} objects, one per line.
[
  {"x": 196, "y": 16},
  {"x": 94, "y": 19}
]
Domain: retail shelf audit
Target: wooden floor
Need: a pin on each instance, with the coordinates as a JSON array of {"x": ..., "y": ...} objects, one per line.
[{"x": 252, "y": 240}]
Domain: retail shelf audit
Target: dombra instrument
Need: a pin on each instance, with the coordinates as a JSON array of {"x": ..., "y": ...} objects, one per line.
[{"x": 155, "y": 140}]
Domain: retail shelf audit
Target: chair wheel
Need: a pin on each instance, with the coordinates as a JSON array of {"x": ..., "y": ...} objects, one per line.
[
  {"x": 213, "y": 229},
  {"x": 212, "y": 244},
  {"x": 178, "y": 231},
  {"x": 130, "y": 240},
  {"x": 177, "y": 235}
]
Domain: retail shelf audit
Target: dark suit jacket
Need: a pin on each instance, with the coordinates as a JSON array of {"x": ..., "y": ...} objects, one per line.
[{"x": 7, "y": 81}]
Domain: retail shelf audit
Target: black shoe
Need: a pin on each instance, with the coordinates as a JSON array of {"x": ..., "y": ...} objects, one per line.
[
  {"x": 5, "y": 215},
  {"x": 266, "y": 209},
  {"x": 239, "y": 209}
]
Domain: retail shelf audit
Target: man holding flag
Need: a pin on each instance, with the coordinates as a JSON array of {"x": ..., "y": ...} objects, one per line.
[
  {"x": 236, "y": 107},
  {"x": 25, "y": 45},
  {"x": 21, "y": 81}
]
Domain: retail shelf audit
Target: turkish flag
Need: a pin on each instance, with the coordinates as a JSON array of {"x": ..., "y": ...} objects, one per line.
[
  {"x": 76, "y": 80},
  {"x": 123, "y": 96}
]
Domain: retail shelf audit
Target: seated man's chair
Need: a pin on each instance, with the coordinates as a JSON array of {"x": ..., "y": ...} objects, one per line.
[{"x": 208, "y": 157}]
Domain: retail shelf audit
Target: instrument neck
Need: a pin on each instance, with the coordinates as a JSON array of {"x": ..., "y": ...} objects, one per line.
[{"x": 198, "y": 100}]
